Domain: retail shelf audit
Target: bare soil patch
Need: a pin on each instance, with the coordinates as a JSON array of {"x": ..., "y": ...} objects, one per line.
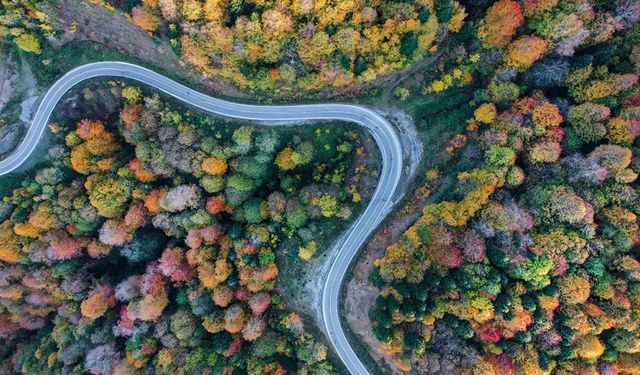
[
  {"x": 18, "y": 97},
  {"x": 96, "y": 23},
  {"x": 360, "y": 294},
  {"x": 9, "y": 76}
]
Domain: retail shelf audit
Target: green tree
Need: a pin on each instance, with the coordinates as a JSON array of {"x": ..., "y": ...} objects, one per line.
[
  {"x": 534, "y": 271},
  {"x": 444, "y": 10},
  {"x": 328, "y": 205},
  {"x": 503, "y": 93},
  {"x": 499, "y": 156},
  {"x": 108, "y": 194},
  {"x": 303, "y": 153},
  {"x": 265, "y": 346},
  {"x": 297, "y": 218},
  {"x": 252, "y": 211},
  {"x": 408, "y": 44},
  {"x": 624, "y": 341}
]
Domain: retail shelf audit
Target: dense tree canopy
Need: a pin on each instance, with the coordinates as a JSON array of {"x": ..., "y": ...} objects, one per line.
[
  {"x": 25, "y": 22},
  {"x": 532, "y": 259},
  {"x": 150, "y": 245},
  {"x": 287, "y": 44}
]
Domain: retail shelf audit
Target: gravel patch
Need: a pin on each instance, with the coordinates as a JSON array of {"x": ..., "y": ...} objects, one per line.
[
  {"x": 9, "y": 77},
  {"x": 9, "y": 138}
]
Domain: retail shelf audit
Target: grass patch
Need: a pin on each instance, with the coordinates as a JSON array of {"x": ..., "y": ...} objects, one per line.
[
  {"x": 53, "y": 63},
  {"x": 438, "y": 119}
]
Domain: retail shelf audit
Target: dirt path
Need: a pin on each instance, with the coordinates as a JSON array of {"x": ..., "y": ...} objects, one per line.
[
  {"x": 411, "y": 145},
  {"x": 96, "y": 23}
]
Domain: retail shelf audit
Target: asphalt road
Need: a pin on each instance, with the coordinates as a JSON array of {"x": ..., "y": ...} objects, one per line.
[{"x": 383, "y": 133}]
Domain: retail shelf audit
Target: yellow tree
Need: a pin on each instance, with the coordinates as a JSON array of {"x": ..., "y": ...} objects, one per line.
[
  {"x": 108, "y": 194},
  {"x": 276, "y": 23},
  {"x": 194, "y": 53},
  {"x": 589, "y": 348},
  {"x": 214, "y": 166},
  {"x": 213, "y": 9},
  {"x": 144, "y": 18},
  {"x": 10, "y": 248},
  {"x": 316, "y": 49},
  {"x": 192, "y": 10},
  {"x": 28, "y": 42},
  {"x": 99, "y": 301}
]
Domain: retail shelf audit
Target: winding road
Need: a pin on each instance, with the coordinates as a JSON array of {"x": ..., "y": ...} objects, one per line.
[{"x": 381, "y": 202}]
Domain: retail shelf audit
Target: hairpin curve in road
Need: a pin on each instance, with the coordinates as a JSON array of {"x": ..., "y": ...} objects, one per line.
[{"x": 379, "y": 206}]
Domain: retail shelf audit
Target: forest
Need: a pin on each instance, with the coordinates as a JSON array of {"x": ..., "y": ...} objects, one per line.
[
  {"x": 294, "y": 44},
  {"x": 148, "y": 243},
  {"x": 531, "y": 260},
  {"x": 269, "y": 45}
]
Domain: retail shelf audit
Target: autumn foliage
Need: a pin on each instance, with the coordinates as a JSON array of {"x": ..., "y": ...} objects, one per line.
[
  {"x": 151, "y": 237},
  {"x": 261, "y": 45},
  {"x": 524, "y": 51},
  {"x": 500, "y": 23},
  {"x": 528, "y": 260}
]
